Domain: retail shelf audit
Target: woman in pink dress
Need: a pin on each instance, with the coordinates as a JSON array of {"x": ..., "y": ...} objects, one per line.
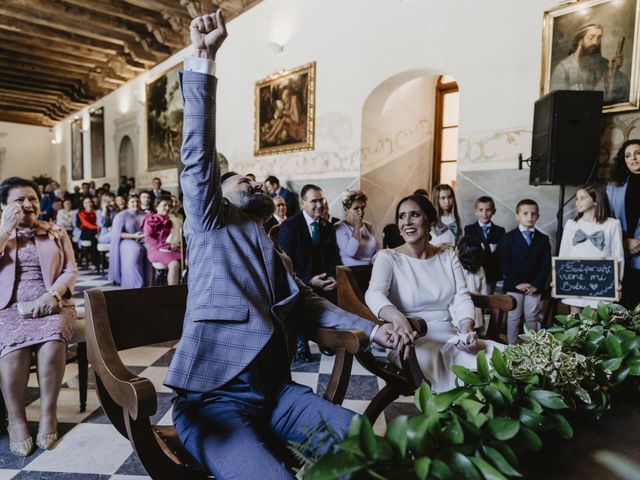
[
  {"x": 38, "y": 272},
  {"x": 157, "y": 227}
]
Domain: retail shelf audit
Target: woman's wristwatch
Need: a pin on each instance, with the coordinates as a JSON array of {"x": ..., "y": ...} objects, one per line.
[{"x": 55, "y": 295}]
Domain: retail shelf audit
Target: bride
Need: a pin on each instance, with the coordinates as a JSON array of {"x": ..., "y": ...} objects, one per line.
[{"x": 418, "y": 279}]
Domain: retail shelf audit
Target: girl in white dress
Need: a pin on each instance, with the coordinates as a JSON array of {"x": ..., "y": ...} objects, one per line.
[
  {"x": 422, "y": 280},
  {"x": 591, "y": 234},
  {"x": 470, "y": 251},
  {"x": 446, "y": 229}
]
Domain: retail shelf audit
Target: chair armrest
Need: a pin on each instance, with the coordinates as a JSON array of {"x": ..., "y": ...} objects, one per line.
[
  {"x": 135, "y": 394},
  {"x": 351, "y": 340}
]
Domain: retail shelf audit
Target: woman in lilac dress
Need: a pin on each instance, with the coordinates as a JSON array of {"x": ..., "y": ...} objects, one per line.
[
  {"x": 37, "y": 272},
  {"x": 128, "y": 264},
  {"x": 355, "y": 237},
  {"x": 157, "y": 227}
]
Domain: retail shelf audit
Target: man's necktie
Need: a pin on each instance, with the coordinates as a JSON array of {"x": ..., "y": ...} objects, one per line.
[
  {"x": 528, "y": 236},
  {"x": 315, "y": 233},
  {"x": 485, "y": 231}
]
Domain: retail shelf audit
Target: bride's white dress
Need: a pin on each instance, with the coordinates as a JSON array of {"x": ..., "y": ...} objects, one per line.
[{"x": 433, "y": 289}]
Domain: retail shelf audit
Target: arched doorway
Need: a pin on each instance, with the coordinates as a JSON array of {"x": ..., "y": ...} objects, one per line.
[
  {"x": 398, "y": 128},
  {"x": 126, "y": 157}
]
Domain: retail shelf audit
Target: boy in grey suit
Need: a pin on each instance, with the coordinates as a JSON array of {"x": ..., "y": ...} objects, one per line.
[{"x": 237, "y": 406}]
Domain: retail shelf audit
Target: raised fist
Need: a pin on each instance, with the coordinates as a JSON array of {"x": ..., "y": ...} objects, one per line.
[{"x": 207, "y": 34}]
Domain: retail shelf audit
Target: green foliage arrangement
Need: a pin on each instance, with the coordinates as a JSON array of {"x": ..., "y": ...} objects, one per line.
[{"x": 478, "y": 429}]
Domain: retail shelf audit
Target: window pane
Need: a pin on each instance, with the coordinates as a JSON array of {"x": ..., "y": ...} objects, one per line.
[
  {"x": 447, "y": 79},
  {"x": 448, "y": 173},
  {"x": 449, "y": 144},
  {"x": 450, "y": 109}
]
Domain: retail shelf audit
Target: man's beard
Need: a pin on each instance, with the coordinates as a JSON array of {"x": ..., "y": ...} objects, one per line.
[
  {"x": 590, "y": 56},
  {"x": 257, "y": 205}
]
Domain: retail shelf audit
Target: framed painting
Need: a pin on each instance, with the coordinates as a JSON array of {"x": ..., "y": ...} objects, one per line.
[
  {"x": 592, "y": 45},
  {"x": 164, "y": 120},
  {"x": 285, "y": 111},
  {"x": 97, "y": 143},
  {"x": 77, "y": 161}
]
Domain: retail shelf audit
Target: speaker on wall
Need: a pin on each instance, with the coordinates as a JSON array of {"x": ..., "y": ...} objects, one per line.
[{"x": 566, "y": 137}]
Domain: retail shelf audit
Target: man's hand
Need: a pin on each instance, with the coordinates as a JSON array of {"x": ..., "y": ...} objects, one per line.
[
  {"x": 207, "y": 34},
  {"x": 324, "y": 282},
  {"x": 632, "y": 246},
  {"x": 527, "y": 288}
]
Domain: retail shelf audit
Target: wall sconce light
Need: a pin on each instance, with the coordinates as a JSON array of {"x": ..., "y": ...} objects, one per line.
[{"x": 275, "y": 47}]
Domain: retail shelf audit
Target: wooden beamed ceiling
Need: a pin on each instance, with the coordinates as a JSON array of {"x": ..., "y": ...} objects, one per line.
[{"x": 57, "y": 56}]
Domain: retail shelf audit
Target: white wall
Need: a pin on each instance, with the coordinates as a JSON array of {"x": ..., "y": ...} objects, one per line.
[
  {"x": 492, "y": 47},
  {"x": 25, "y": 150}
]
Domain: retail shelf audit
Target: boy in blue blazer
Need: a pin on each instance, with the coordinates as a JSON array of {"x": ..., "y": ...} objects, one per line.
[
  {"x": 489, "y": 234},
  {"x": 525, "y": 260}
]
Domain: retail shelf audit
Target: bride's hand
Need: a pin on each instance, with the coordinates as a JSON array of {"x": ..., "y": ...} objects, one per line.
[{"x": 470, "y": 345}]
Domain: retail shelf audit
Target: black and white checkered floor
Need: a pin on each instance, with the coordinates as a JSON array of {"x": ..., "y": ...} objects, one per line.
[{"x": 90, "y": 447}]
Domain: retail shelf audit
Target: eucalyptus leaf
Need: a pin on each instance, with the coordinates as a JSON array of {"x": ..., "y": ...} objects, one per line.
[
  {"x": 488, "y": 471},
  {"x": 441, "y": 470},
  {"x": 334, "y": 465},
  {"x": 504, "y": 428},
  {"x": 499, "y": 363},
  {"x": 583, "y": 395},
  {"x": 613, "y": 364},
  {"x": 493, "y": 395},
  {"x": 417, "y": 428},
  {"x": 367, "y": 440},
  {"x": 423, "y": 397},
  {"x": 603, "y": 312},
  {"x": 466, "y": 375},
  {"x": 506, "y": 451},
  {"x": 562, "y": 425},
  {"x": 532, "y": 420},
  {"x": 453, "y": 431},
  {"x": 482, "y": 364},
  {"x": 621, "y": 375},
  {"x": 445, "y": 399},
  {"x": 421, "y": 467},
  {"x": 471, "y": 407},
  {"x": 496, "y": 458},
  {"x": 614, "y": 349},
  {"x": 529, "y": 439},
  {"x": 397, "y": 434},
  {"x": 549, "y": 399},
  {"x": 461, "y": 465},
  {"x": 634, "y": 367}
]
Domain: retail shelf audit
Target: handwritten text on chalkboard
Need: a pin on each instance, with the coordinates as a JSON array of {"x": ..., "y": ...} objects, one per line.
[{"x": 586, "y": 278}]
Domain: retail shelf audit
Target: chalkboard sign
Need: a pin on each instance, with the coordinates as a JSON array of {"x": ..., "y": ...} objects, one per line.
[{"x": 589, "y": 278}]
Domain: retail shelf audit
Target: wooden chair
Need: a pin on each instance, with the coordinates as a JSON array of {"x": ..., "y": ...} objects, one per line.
[
  {"x": 122, "y": 319},
  {"x": 352, "y": 284},
  {"x": 499, "y": 305},
  {"x": 274, "y": 234}
]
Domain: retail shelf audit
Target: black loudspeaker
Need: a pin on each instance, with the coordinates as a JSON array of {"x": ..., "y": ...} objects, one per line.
[{"x": 566, "y": 137}]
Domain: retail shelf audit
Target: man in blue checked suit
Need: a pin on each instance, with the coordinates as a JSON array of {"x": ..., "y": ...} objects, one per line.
[{"x": 236, "y": 406}]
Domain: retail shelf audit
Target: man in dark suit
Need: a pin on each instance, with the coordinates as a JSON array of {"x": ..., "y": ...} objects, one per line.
[
  {"x": 310, "y": 241},
  {"x": 157, "y": 191},
  {"x": 236, "y": 403},
  {"x": 525, "y": 259},
  {"x": 489, "y": 234},
  {"x": 272, "y": 184}
]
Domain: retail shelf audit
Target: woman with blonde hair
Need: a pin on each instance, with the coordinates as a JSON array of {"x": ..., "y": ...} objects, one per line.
[{"x": 355, "y": 237}]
